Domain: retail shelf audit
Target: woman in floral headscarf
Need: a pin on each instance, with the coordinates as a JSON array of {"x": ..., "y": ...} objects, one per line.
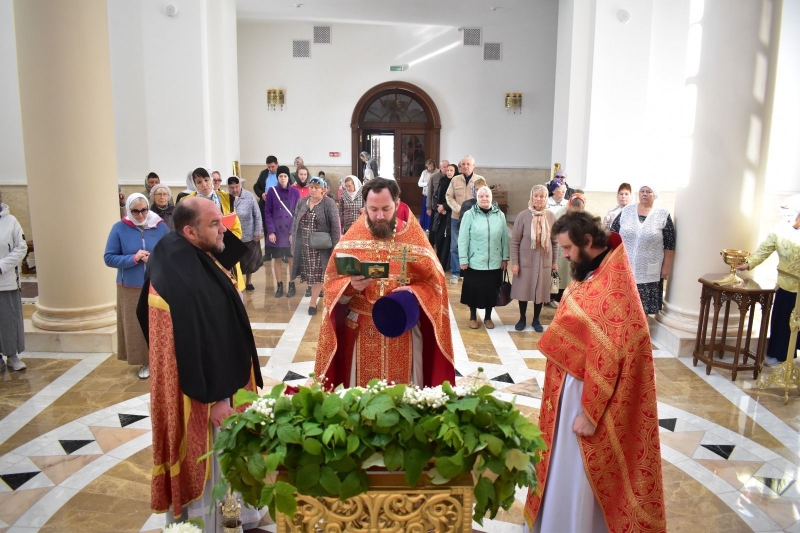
[
  {"x": 128, "y": 248},
  {"x": 533, "y": 261},
  {"x": 350, "y": 203}
]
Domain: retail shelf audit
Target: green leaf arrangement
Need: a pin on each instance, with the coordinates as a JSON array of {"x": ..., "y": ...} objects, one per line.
[{"x": 326, "y": 440}]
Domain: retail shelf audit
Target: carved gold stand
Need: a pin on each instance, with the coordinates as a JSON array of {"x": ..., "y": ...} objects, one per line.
[
  {"x": 390, "y": 506},
  {"x": 787, "y": 375}
]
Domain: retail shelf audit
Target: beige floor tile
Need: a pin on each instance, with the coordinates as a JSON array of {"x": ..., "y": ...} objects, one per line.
[
  {"x": 14, "y": 504},
  {"x": 60, "y": 467}
]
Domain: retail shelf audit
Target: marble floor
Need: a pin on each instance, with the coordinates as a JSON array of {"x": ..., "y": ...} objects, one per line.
[{"x": 75, "y": 438}]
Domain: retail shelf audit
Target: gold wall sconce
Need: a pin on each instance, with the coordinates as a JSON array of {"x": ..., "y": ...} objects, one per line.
[
  {"x": 514, "y": 102},
  {"x": 275, "y": 98}
]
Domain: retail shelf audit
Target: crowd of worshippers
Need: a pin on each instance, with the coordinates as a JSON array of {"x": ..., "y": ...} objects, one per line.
[{"x": 465, "y": 228}]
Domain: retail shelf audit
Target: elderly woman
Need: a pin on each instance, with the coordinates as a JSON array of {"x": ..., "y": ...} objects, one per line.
[
  {"x": 649, "y": 238},
  {"x": 315, "y": 214},
  {"x": 129, "y": 245},
  {"x": 245, "y": 204},
  {"x": 279, "y": 207},
  {"x": 623, "y": 199},
  {"x": 533, "y": 247},
  {"x": 351, "y": 202},
  {"x": 370, "y": 166},
  {"x": 150, "y": 181},
  {"x": 785, "y": 240},
  {"x": 424, "y": 178},
  {"x": 12, "y": 251},
  {"x": 483, "y": 255},
  {"x": 159, "y": 204}
]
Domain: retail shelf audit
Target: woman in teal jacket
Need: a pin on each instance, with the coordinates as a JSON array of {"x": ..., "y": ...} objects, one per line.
[{"x": 483, "y": 254}]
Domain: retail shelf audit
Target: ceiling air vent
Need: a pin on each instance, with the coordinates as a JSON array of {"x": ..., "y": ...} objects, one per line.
[
  {"x": 301, "y": 48},
  {"x": 493, "y": 51},
  {"x": 322, "y": 35},
  {"x": 472, "y": 36}
]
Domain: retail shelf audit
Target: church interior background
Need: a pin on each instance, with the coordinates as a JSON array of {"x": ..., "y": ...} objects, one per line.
[{"x": 695, "y": 98}]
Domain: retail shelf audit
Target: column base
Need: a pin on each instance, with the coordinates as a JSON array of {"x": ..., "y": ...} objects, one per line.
[
  {"x": 674, "y": 340},
  {"x": 77, "y": 319},
  {"x": 98, "y": 340}
]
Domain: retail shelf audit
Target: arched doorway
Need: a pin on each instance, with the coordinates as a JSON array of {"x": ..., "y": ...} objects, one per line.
[{"x": 398, "y": 123}]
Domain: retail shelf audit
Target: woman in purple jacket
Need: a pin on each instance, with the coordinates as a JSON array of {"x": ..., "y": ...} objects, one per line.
[{"x": 278, "y": 215}]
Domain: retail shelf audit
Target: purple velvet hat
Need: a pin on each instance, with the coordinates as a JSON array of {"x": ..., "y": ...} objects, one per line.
[{"x": 396, "y": 313}]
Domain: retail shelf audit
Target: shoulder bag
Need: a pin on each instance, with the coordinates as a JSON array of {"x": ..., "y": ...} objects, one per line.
[
  {"x": 321, "y": 240},
  {"x": 504, "y": 292}
]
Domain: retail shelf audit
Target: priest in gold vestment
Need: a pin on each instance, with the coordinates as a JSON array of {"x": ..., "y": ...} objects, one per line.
[
  {"x": 351, "y": 349},
  {"x": 602, "y": 469}
]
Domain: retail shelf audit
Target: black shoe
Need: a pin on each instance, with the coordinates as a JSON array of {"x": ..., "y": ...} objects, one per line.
[
  {"x": 312, "y": 311},
  {"x": 537, "y": 326},
  {"x": 291, "y": 292},
  {"x": 249, "y": 287},
  {"x": 285, "y": 260},
  {"x": 308, "y": 291},
  {"x": 520, "y": 325},
  {"x": 279, "y": 292}
]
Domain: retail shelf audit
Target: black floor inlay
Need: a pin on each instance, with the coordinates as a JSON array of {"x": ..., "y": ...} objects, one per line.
[
  {"x": 292, "y": 375},
  {"x": 71, "y": 446},
  {"x": 15, "y": 481},
  {"x": 779, "y": 486},
  {"x": 505, "y": 378},
  {"x": 723, "y": 450},
  {"x": 667, "y": 423},
  {"x": 458, "y": 374},
  {"x": 127, "y": 420}
]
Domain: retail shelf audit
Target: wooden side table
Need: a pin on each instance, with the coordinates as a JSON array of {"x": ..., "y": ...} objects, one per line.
[{"x": 746, "y": 296}]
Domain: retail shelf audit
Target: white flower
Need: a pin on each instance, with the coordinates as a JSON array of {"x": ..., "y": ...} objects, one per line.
[{"x": 183, "y": 527}]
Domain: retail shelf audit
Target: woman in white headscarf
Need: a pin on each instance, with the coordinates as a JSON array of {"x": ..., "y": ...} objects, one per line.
[
  {"x": 649, "y": 237},
  {"x": 785, "y": 240},
  {"x": 128, "y": 248},
  {"x": 533, "y": 260},
  {"x": 351, "y": 202}
]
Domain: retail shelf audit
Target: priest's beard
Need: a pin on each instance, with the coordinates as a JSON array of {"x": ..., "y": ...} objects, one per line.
[
  {"x": 582, "y": 267},
  {"x": 382, "y": 229}
]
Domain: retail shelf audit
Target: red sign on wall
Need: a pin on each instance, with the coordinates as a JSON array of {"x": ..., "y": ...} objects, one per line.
[{"x": 333, "y": 154}]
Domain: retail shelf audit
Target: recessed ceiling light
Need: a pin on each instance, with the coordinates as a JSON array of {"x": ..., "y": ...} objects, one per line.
[
  {"x": 494, "y": 8},
  {"x": 299, "y": 5}
]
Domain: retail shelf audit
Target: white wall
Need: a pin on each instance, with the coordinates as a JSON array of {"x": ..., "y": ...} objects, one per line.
[
  {"x": 322, "y": 91},
  {"x": 175, "y": 92},
  {"x": 12, "y": 153}
]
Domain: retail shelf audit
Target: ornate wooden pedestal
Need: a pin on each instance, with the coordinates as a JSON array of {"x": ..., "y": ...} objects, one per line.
[
  {"x": 390, "y": 506},
  {"x": 746, "y": 297}
]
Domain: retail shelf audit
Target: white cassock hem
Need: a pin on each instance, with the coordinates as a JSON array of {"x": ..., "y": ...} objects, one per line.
[{"x": 568, "y": 503}]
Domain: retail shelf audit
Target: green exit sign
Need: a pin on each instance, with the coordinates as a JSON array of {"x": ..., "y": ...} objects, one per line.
[{"x": 397, "y": 68}]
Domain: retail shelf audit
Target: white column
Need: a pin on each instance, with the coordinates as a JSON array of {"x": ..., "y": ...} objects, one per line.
[
  {"x": 68, "y": 131},
  {"x": 721, "y": 206},
  {"x": 572, "y": 101}
]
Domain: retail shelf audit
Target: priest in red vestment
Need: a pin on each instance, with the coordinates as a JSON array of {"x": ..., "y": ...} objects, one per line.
[
  {"x": 201, "y": 352},
  {"x": 352, "y": 349},
  {"x": 602, "y": 468}
]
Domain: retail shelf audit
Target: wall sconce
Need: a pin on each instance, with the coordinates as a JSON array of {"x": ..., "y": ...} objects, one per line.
[
  {"x": 514, "y": 102},
  {"x": 275, "y": 97}
]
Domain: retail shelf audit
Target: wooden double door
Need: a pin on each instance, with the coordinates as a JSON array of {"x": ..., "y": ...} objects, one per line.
[{"x": 398, "y": 123}]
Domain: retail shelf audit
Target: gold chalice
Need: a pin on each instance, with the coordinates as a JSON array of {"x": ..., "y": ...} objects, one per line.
[{"x": 734, "y": 258}]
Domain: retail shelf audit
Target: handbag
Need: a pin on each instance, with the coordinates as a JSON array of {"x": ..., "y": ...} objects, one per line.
[
  {"x": 437, "y": 219},
  {"x": 504, "y": 292},
  {"x": 321, "y": 240},
  {"x": 555, "y": 281}
]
